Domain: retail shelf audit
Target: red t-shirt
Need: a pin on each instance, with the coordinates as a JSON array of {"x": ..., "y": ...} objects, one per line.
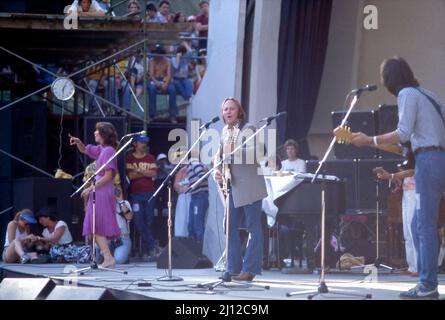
[
  {"x": 142, "y": 184},
  {"x": 202, "y": 19}
]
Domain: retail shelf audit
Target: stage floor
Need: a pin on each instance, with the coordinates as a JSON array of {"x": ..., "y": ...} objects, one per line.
[{"x": 141, "y": 281}]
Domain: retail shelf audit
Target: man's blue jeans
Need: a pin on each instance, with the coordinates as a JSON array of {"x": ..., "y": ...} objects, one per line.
[
  {"x": 152, "y": 93},
  {"x": 253, "y": 257},
  {"x": 143, "y": 218},
  {"x": 199, "y": 204},
  {"x": 430, "y": 184}
]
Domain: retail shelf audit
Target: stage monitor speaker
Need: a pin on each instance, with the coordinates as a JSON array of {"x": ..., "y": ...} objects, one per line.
[
  {"x": 38, "y": 193},
  {"x": 366, "y": 183},
  {"x": 345, "y": 170},
  {"x": 186, "y": 254},
  {"x": 360, "y": 120},
  {"x": 387, "y": 122},
  {"x": 25, "y": 288},
  {"x": 80, "y": 293}
]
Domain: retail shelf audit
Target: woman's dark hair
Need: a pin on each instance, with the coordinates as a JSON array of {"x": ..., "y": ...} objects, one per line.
[
  {"x": 47, "y": 212},
  {"x": 181, "y": 49},
  {"x": 177, "y": 16},
  {"x": 108, "y": 133},
  {"x": 396, "y": 75}
]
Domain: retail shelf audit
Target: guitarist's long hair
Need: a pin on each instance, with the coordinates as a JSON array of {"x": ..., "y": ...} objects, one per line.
[{"x": 396, "y": 75}]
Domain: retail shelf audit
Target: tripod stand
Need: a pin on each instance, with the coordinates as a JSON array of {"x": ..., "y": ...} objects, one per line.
[
  {"x": 377, "y": 263},
  {"x": 322, "y": 287},
  {"x": 92, "y": 179},
  {"x": 225, "y": 275},
  {"x": 169, "y": 277}
]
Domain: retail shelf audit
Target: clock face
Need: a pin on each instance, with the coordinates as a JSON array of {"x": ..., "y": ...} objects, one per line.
[{"x": 63, "y": 88}]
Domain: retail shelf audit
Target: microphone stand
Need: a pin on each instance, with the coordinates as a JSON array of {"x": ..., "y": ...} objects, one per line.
[
  {"x": 225, "y": 276},
  {"x": 167, "y": 181},
  {"x": 92, "y": 179},
  {"x": 322, "y": 287}
]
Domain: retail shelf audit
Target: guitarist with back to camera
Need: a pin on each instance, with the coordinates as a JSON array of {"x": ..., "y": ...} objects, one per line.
[{"x": 421, "y": 121}]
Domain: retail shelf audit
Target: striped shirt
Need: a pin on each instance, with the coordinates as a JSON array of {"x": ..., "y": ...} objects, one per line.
[
  {"x": 195, "y": 170},
  {"x": 419, "y": 121}
]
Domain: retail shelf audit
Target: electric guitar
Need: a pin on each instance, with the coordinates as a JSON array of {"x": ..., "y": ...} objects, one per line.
[{"x": 343, "y": 135}]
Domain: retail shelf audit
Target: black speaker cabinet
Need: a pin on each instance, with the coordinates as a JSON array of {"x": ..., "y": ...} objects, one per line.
[
  {"x": 360, "y": 120},
  {"x": 37, "y": 193},
  {"x": 186, "y": 254},
  {"x": 387, "y": 121},
  {"x": 5, "y": 203},
  {"x": 29, "y": 141},
  {"x": 5, "y": 143},
  {"x": 367, "y": 183},
  {"x": 25, "y": 288},
  {"x": 343, "y": 169}
]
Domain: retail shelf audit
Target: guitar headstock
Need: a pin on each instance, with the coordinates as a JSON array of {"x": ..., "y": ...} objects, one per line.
[{"x": 343, "y": 134}]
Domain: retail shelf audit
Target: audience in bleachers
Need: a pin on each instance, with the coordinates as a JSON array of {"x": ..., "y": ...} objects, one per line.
[
  {"x": 160, "y": 71},
  {"x": 181, "y": 79},
  {"x": 164, "y": 12},
  {"x": 86, "y": 8},
  {"x": 202, "y": 23}
]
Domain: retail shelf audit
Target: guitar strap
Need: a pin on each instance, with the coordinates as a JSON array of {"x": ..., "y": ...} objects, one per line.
[{"x": 434, "y": 103}]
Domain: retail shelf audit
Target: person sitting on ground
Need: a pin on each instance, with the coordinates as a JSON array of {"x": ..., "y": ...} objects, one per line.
[
  {"x": 17, "y": 233},
  {"x": 86, "y": 8},
  {"x": 56, "y": 235},
  {"x": 122, "y": 245}
]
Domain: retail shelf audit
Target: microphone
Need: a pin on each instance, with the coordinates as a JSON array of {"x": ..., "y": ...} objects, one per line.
[
  {"x": 368, "y": 87},
  {"x": 136, "y": 133},
  {"x": 208, "y": 123},
  {"x": 269, "y": 119}
]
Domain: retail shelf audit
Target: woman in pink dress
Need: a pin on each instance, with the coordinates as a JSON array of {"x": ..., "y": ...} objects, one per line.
[{"x": 105, "y": 218}]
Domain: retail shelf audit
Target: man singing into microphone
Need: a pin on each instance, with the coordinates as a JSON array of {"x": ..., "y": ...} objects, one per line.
[
  {"x": 421, "y": 121},
  {"x": 246, "y": 192}
]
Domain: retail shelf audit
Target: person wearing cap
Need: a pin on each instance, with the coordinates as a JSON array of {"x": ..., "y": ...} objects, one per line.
[
  {"x": 292, "y": 163},
  {"x": 18, "y": 231},
  {"x": 141, "y": 170}
]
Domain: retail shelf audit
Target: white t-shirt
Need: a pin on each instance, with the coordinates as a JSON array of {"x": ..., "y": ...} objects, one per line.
[
  {"x": 297, "y": 166},
  {"x": 66, "y": 236},
  {"x": 121, "y": 221},
  {"x": 95, "y": 7}
]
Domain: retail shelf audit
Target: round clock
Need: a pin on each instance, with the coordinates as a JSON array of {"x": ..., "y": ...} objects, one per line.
[{"x": 63, "y": 88}]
